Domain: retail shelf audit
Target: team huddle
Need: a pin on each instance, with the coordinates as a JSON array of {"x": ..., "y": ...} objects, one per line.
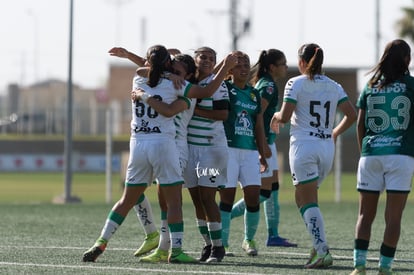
[{"x": 211, "y": 127}]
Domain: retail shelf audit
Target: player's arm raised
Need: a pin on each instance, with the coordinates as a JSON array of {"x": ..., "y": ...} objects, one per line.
[{"x": 202, "y": 92}]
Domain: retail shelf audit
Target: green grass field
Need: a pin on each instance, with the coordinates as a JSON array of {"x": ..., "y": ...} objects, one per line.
[{"x": 39, "y": 237}]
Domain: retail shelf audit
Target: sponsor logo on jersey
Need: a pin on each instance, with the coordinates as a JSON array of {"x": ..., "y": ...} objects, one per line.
[
  {"x": 246, "y": 105},
  {"x": 383, "y": 141},
  {"x": 145, "y": 129},
  {"x": 393, "y": 88},
  {"x": 243, "y": 125}
]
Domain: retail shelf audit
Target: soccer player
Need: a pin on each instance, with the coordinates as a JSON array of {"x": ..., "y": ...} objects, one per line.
[
  {"x": 153, "y": 153},
  {"x": 385, "y": 131},
  {"x": 184, "y": 67},
  {"x": 208, "y": 153},
  {"x": 246, "y": 141},
  {"x": 310, "y": 102},
  {"x": 270, "y": 67},
  {"x": 207, "y": 158}
]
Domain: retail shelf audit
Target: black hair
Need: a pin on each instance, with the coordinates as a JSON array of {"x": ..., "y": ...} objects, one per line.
[
  {"x": 313, "y": 55},
  {"x": 204, "y": 49},
  {"x": 392, "y": 65},
  {"x": 266, "y": 58},
  {"x": 159, "y": 59},
  {"x": 190, "y": 65}
]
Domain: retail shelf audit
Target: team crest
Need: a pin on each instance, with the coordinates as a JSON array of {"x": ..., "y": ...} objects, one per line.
[
  {"x": 253, "y": 97},
  {"x": 269, "y": 90}
]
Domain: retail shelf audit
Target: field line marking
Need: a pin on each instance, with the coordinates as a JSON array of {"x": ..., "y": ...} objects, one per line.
[
  {"x": 125, "y": 268},
  {"x": 397, "y": 259}
]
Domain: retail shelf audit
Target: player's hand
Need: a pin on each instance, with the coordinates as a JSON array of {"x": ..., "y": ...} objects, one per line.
[
  {"x": 177, "y": 81},
  {"x": 274, "y": 124},
  {"x": 230, "y": 61},
  {"x": 263, "y": 164},
  {"x": 136, "y": 94},
  {"x": 119, "y": 52}
]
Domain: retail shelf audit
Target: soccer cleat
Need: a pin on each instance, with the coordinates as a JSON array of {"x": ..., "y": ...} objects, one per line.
[
  {"x": 312, "y": 255},
  {"x": 157, "y": 256},
  {"x": 217, "y": 254},
  {"x": 385, "y": 271},
  {"x": 278, "y": 241},
  {"x": 227, "y": 252},
  {"x": 93, "y": 253},
  {"x": 181, "y": 258},
  {"x": 150, "y": 242},
  {"x": 320, "y": 262},
  {"x": 359, "y": 270},
  {"x": 250, "y": 247},
  {"x": 205, "y": 253}
]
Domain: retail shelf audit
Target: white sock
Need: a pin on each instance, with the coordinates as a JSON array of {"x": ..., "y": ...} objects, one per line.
[
  {"x": 316, "y": 229},
  {"x": 145, "y": 216},
  {"x": 214, "y": 229},
  {"x": 109, "y": 229},
  {"x": 165, "y": 242}
]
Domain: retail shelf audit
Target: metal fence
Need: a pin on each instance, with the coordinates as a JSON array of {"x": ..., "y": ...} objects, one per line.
[{"x": 53, "y": 122}]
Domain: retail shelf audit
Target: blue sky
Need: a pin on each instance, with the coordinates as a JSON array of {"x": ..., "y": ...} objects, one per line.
[{"x": 37, "y": 32}]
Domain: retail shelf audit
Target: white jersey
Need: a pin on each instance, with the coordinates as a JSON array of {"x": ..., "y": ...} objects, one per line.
[
  {"x": 208, "y": 132},
  {"x": 182, "y": 119},
  {"x": 316, "y": 101},
  {"x": 146, "y": 123}
]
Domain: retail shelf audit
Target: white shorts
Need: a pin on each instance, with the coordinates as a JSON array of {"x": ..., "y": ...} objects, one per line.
[
  {"x": 153, "y": 158},
  {"x": 310, "y": 160},
  {"x": 272, "y": 162},
  {"x": 182, "y": 147},
  {"x": 207, "y": 166},
  {"x": 244, "y": 167},
  {"x": 390, "y": 172}
]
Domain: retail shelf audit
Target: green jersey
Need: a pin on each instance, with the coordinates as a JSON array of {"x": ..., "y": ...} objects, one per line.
[
  {"x": 241, "y": 122},
  {"x": 389, "y": 118},
  {"x": 268, "y": 90}
]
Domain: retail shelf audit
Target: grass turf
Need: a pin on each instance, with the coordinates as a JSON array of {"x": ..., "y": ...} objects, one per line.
[
  {"x": 90, "y": 188},
  {"x": 43, "y": 238}
]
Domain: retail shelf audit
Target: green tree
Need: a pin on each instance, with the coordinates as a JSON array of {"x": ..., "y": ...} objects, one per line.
[{"x": 405, "y": 25}]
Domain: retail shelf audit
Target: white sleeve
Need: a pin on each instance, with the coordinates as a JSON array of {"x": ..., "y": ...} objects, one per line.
[{"x": 138, "y": 81}]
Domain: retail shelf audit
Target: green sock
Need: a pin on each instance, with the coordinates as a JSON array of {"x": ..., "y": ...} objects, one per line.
[
  {"x": 387, "y": 254},
  {"x": 251, "y": 222},
  {"x": 360, "y": 257},
  {"x": 385, "y": 262},
  {"x": 240, "y": 206},
  {"x": 225, "y": 223},
  {"x": 272, "y": 213}
]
